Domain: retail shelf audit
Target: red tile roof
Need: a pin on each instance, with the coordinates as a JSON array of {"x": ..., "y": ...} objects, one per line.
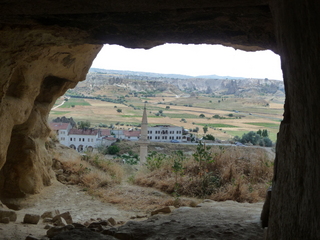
[
  {"x": 131, "y": 133},
  {"x": 89, "y": 131},
  {"x": 105, "y": 132},
  {"x": 59, "y": 126}
]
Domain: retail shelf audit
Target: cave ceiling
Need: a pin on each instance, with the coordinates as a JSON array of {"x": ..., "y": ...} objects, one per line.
[{"x": 245, "y": 25}]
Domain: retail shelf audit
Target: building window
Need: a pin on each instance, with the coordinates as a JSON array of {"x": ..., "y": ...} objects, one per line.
[
  {"x": 70, "y": 139},
  {"x": 79, "y": 139},
  {"x": 150, "y": 137},
  {"x": 82, "y": 139}
]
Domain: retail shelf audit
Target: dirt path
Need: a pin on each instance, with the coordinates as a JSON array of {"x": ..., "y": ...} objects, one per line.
[{"x": 209, "y": 220}]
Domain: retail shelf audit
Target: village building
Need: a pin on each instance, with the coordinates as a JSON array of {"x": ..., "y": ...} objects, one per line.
[
  {"x": 82, "y": 139},
  {"x": 166, "y": 133}
]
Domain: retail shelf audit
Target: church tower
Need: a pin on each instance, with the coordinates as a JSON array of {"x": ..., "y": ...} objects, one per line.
[{"x": 143, "y": 141}]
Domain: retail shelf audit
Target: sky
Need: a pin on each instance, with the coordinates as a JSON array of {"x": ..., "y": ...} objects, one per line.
[{"x": 192, "y": 60}]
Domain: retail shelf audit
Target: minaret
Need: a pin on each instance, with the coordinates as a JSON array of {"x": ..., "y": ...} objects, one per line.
[{"x": 144, "y": 137}]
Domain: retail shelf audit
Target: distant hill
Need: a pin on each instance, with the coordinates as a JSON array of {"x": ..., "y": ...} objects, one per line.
[
  {"x": 133, "y": 73},
  {"x": 158, "y": 75},
  {"x": 155, "y": 83}
]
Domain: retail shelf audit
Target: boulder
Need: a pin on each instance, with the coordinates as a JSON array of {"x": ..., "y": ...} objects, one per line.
[
  {"x": 167, "y": 209},
  {"x": 4, "y": 220},
  {"x": 66, "y": 216},
  {"x": 50, "y": 214},
  {"x": 31, "y": 218},
  {"x": 56, "y": 230},
  {"x": 8, "y": 213}
]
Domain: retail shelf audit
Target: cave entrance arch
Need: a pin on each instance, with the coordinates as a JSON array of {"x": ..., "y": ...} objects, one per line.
[{"x": 60, "y": 38}]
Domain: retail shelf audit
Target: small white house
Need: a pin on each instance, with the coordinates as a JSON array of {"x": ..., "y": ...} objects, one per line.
[
  {"x": 82, "y": 139},
  {"x": 61, "y": 129}
]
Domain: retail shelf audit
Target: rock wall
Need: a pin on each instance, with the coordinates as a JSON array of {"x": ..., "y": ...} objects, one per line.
[
  {"x": 295, "y": 205},
  {"x": 36, "y": 68}
]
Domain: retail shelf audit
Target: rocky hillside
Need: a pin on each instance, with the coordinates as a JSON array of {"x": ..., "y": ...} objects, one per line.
[{"x": 150, "y": 83}]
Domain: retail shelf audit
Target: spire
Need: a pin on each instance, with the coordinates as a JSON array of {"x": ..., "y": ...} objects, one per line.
[
  {"x": 144, "y": 124},
  {"x": 144, "y": 137},
  {"x": 144, "y": 116}
]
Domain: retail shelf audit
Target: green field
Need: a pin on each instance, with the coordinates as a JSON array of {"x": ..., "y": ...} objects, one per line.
[
  {"x": 266, "y": 125},
  {"x": 181, "y": 115},
  {"x": 59, "y": 112},
  {"x": 217, "y": 125},
  {"x": 74, "y": 102}
]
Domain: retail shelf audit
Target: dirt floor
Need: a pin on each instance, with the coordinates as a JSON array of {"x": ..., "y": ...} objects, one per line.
[{"x": 208, "y": 220}]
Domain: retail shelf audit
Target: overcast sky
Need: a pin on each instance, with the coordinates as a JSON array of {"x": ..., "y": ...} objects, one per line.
[{"x": 193, "y": 60}]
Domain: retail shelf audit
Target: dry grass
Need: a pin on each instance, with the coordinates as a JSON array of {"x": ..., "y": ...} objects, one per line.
[
  {"x": 92, "y": 171},
  {"x": 239, "y": 174}
]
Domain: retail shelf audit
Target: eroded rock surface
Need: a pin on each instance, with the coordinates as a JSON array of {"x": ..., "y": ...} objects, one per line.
[{"x": 34, "y": 75}]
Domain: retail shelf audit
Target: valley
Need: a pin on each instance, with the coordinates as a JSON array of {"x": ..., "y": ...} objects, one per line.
[{"x": 228, "y": 107}]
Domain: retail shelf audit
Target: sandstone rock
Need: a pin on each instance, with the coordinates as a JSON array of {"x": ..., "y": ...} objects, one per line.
[
  {"x": 4, "y": 220},
  {"x": 50, "y": 214},
  {"x": 109, "y": 231},
  {"x": 82, "y": 234},
  {"x": 122, "y": 235},
  {"x": 266, "y": 209},
  {"x": 59, "y": 221},
  {"x": 56, "y": 230},
  {"x": 47, "y": 220},
  {"x": 31, "y": 218},
  {"x": 167, "y": 209},
  {"x": 48, "y": 226},
  {"x": 10, "y": 214},
  {"x": 96, "y": 226},
  {"x": 78, "y": 225},
  {"x": 59, "y": 171},
  {"x": 66, "y": 216},
  {"x": 30, "y": 237},
  {"x": 112, "y": 221}
]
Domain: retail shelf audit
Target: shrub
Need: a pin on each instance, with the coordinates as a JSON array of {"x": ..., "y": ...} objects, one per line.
[
  {"x": 234, "y": 174},
  {"x": 209, "y": 137},
  {"x": 155, "y": 160},
  {"x": 250, "y": 137},
  {"x": 113, "y": 149},
  {"x": 266, "y": 142}
]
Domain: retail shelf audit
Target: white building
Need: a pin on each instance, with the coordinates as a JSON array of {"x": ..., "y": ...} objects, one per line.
[
  {"x": 166, "y": 133},
  {"x": 78, "y": 139},
  {"x": 82, "y": 139},
  {"x": 61, "y": 129},
  {"x": 87, "y": 139}
]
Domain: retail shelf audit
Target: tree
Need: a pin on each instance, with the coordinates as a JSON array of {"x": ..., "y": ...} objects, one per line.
[
  {"x": 113, "y": 149},
  {"x": 251, "y": 137},
  {"x": 160, "y": 111},
  {"x": 119, "y": 110},
  {"x": 202, "y": 115},
  {"x": 205, "y": 129},
  {"x": 84, "y": 124},
  {"x": 259, "y": 132},
  {"x": 264, "y": 133},
  {"x": 167, "y": 107},
  {"x": 209, "y": 137},
  {"x": 265, "y": 142}
]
